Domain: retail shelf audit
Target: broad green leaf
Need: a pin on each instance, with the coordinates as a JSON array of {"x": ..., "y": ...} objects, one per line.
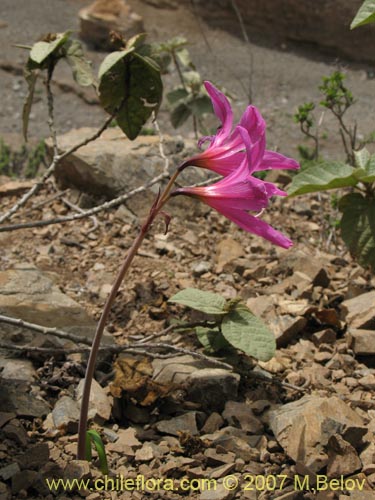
[
  {"x": 361, "y": 157},
  {"x": 180, "y": 114},
  {"x": 369, "y": 171},
  {"x": 212, "y": 340},
  {"x": 244, "y": 331},
  {"x": 31, "y": 76},
  {"x": 41, "y": 50},
  {"x": 94, "y": 437},
  {"x": 365, "y": 14},
  {"x": 176, "y": 95},
  {"x": 323, "y": 176},
  {"x": 81, "y": 67},
  {"x": 358, "y": 227},
  {"x": 207, "y": 302},
  {"x": 130, "y": 87}
]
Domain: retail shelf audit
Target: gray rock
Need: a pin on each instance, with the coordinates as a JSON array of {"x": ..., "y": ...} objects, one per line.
[
  {"x": 35, "y": 457},
  {"x": 182, "y": 423},
  {"x": 114, "y": 165},
  {"x": 23, "y": 480},
  {"x": 304, "y": 427},
  {"x": 219, "y": 493},
  {"x": 362, "y": 341},
  {"x": 359, "y": 312},
  {"x": 201, "y": 267},
  {"x": 15, "y": 431},
  {"x": 17, "y": 369},
  {"x": 100, "y": 406},
  {"x": 9, "y": 470},
  {"x": 241, "y": 413},
  {"x": 18, "y": 398},
  {"x": 31, "y": 295},
  {"x": 77, "y": 469},
  {"x": 66, "y": 414},
  {"x": 210, "y": 387},
  {"x": 325, "y": 24},
  {"x": 213, "y": 423}
]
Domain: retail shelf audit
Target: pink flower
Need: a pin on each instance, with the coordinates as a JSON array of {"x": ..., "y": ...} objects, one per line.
[
  {"x": 226, "y": 150},
  {"x": 235, "y": 195}
]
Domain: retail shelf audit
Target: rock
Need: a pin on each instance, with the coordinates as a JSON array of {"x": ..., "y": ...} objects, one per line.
[
  {"x": 210, "y": 387},
  {"x": 304, "y": 427},
  {"x": 241, "y": 413},
  {"x": 201, "y": 267},
  {"x": 218, "y": 493},
  {"x": 18, "y": 398},
  {"x": 183, "y": 423},
  {"x": 342, "y": 458},
  {"x": 66, "y": 414},
  {"x": 325, "y": 24},
  {"x": 17, "y": 369},
  {"x": 9, "y": 470},
  {"x": 312, "y": 267},
  {"x": 126, "y": 439},
  {"x": 114, "y": 165},
  {"x": 327, "y": 336},
  {"x": 31, "y": 295},
  {"x": 213, "y": 423},
  {"x": 14, "y": 188},
  {"x": 144, "y": 454},
  {"x": 359, "y": 312},
  {"x": 15, "y": 431},
  {"x": 77, "y": 469},
  {"x": 5, "y": 417},
  {"x": 214, "y": 458},
  {"x": 102, "y": 16},
  {"x": 23, "y": 480},
  {"x": 4, "y": 491},
  {"x": 100, "y": 407},
  {"x": 227, "y": 250},
  {"x": 362, "y": 341},
  {"x": 286, "y": 328},
  {"x": 35, "y": 457}
]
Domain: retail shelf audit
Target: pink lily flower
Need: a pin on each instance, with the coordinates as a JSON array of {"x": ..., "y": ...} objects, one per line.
[
  {"x": 226, "y": 150},
  {"x": 238, "y": 193}
]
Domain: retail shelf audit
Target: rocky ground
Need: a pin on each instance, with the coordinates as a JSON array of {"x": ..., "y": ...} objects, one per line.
[{"x": 279, "y": 429}]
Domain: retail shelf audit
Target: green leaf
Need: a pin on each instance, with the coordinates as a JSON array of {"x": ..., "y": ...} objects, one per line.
[
  {"x": 358, "y": 227},
  {"x": 212, "y": 340},
  {"x": 177, "y": 95},
  {"x": 244, "y": 331},
  {"x": 207, "y": 302},
  {"x": 92, "y": 436},
  {"x": 365, "y": 14},
  {"x": 322, "y": 176},
  {"x": 130, "y": 87},
  {"x": 31, "y": 76},
  {"x": 136, "y": 40},
  {"x": 200, "y": 105},
  {"x": 361, "y": 157},
  {"x": 183, "y": 56},
  {"x": 41, "y": 50},
  {"x": 368, "y": 174},
  {"x": 81, "y": 67},
  {"x": 180, "y": 114}
]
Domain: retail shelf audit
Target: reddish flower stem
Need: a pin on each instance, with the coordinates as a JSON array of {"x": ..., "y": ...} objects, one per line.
[{"x": 156, "y": 208}]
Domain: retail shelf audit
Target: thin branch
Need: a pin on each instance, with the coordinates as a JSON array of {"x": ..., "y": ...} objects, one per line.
[
  {"x": 44, "y": 329},
  {"x": 93, "y": 211},
  {"x": 55, "y": 160},
  {"x": 81, "y": 211}
]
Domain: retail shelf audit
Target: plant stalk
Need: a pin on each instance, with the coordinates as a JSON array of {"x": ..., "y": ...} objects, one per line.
[{"x": 159, "y": 203}]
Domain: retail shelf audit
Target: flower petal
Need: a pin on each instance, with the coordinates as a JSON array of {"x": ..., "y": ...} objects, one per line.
[
  {"x": 254, "y": 150},
  {"x": 222, "y": 109},
  {"x": 272, "y": 160},
  {"x": 254, "y": 123},
  {"x": 257, "y": 226}
]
